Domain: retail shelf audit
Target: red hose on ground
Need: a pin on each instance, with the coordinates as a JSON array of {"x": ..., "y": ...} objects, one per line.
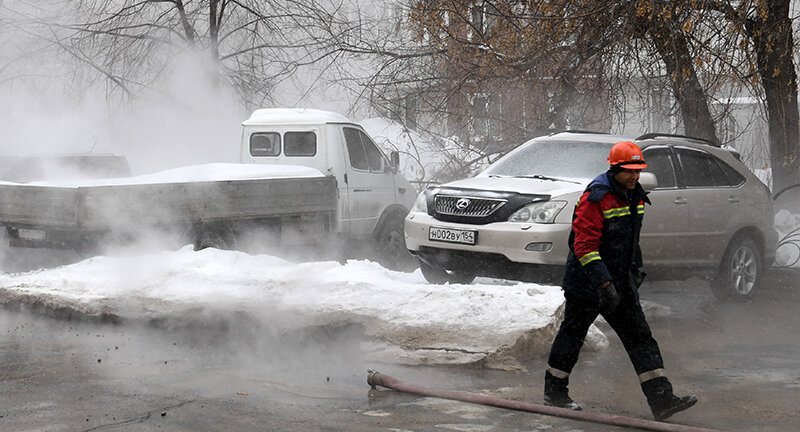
[{"x": 375, "y": 379}]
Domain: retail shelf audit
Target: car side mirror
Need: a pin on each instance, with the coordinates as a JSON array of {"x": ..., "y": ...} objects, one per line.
[
  {"x": 648, "y": 180},
  {"x": 394, "y": 161}
]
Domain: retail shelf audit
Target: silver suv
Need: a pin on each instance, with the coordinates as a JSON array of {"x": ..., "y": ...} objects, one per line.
[{"x": 711, "y": 216}]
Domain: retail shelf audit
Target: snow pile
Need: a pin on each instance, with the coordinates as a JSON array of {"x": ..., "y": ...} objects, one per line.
[
  {"x": 787, "y": 224},
  {"x": 788, "y": 227},
  {"x": 196, "y": 173},
  {"x": 405, "y": 319}
]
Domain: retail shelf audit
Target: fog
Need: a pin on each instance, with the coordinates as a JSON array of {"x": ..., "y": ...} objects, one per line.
[
  {"x": 161, "y": 106},
  {"x": 138, "y": 319},
  {"x": 182, "y": 120}
]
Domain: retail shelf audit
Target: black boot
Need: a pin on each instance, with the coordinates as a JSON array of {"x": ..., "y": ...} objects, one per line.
[
  {"x": 663, "y": 403},
  {"x": 556, "y": 393}
]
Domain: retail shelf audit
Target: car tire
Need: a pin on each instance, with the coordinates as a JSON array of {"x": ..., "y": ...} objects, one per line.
[
  {"x": 440, "y": 276},
  {"x": 391, "y": 243},
  {"x": 740, "y": 272}
]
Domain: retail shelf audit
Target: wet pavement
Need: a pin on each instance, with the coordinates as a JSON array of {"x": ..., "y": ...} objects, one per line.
[{"x": 742, "y": 360}]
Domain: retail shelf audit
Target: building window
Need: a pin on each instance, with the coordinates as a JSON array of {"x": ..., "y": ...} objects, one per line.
[
  {"x": 480, "y": 116},
  {"x": 411, "y": 109},
  {"x": 659, "y": 111},
  {"x": 485, "y": 109},
  {"x": 483, "y": 17}
]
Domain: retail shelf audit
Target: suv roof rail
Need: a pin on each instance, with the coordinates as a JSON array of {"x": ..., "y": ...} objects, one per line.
[
  {"x": 651, "y": 135},
  {"x": 579, "y": 131}
]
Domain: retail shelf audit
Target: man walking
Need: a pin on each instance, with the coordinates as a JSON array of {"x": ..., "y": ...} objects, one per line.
[{"x": 602, "y": 278}]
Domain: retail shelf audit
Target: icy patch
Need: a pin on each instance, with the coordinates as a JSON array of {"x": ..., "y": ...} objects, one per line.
[
  {"x": 460, "y": 409},
  {"x": 655, "y": 310},
  {"x": 377, "y": 413},
  {"x": 466, "y": 427}
]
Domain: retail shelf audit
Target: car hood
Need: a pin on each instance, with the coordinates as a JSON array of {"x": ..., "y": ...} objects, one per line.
[{"x": 522, "y": 185}]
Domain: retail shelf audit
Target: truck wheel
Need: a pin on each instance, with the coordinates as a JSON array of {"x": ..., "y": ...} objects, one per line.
[
  {"x": 214, "y": 236},
  {"x": 740, "y": 271},
  {"x": 391, "y": 244},
  {"x": 439, "y": 276}
]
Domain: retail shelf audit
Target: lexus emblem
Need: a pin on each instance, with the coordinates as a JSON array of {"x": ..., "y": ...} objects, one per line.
[{"x": 462, "y": 203}]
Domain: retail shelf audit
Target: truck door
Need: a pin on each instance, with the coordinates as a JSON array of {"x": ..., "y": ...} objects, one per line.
[{"x": 370, "y": 186}]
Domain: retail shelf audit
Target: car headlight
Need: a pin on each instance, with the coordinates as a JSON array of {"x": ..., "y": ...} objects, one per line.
[
  {"x": 421, "y": 204},
  {"x": 539, "y": 212}
]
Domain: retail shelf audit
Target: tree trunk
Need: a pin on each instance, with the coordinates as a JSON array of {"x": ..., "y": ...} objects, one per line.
[
  {"x": 673, "y": 49},
  {"x": 772, "y": 36},
  {"x": 214, "y": 16},
  {"x": 214, "y": 20}
]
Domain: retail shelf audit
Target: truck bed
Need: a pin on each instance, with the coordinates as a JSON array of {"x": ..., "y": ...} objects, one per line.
[{"x": 112, "y": 207}]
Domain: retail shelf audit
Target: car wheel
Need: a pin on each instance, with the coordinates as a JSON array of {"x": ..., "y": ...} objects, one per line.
[
  {"x": 391, "y": 243},
  {"x": 740, "y": 272},
  {"x": 214, "y": 236},
  {"x": 439, "y": 276}
]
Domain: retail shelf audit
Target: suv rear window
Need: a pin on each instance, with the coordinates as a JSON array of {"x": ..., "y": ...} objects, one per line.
[{"x": 701, "y": 169}]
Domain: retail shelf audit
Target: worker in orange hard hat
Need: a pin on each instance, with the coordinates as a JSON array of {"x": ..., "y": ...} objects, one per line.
[{"x": 602, "y": 277}]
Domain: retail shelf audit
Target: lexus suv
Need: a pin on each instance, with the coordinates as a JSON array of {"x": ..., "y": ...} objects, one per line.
[{"x": 711, "y": 216}]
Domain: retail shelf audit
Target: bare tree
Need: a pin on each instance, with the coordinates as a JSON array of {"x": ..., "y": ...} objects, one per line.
[
  {"x": 530, "y": 53},
  {"x": 766, "y": 30},
  {"x": 747, "y": 43},
  {"x": 664, "y": 24},
  {"x": 490, "y": 71},
  {"x": 704, "y": 48},
  {"x": 253, "y": 45}
]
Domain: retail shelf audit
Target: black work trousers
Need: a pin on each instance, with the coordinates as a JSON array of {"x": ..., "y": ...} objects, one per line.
[{"x": 627, "y": 320}]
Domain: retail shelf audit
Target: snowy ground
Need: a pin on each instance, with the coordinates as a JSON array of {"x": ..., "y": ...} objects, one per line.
[{"x": 405, "y": 320}]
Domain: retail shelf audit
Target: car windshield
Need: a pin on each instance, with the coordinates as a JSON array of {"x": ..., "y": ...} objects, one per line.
[{"x": 556, "y": 158}]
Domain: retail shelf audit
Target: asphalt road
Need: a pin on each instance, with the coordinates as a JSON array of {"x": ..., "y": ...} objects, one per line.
[{"x": 742, "y": 360}]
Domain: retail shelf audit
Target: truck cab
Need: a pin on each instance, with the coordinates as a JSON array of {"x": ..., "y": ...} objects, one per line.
[{"x": 373, "y": 198}]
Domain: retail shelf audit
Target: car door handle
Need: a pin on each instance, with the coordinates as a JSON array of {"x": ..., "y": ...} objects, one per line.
[
  {"x": 680, "y": 201},
  {"x": 733, "y": 199},
  {"x": 362, "y": 190}
]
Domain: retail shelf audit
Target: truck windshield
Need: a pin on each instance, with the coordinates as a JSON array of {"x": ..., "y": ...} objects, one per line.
[{"x": 556, "y": 158}]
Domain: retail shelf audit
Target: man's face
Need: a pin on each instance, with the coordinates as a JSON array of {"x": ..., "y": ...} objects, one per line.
[{"x": 627, "y": 178}]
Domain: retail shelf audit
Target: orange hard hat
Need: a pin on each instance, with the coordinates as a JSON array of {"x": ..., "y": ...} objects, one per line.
[{"x": 626, "y": 155}]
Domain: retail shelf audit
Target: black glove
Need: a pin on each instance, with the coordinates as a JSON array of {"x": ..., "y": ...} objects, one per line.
[
  {"x": 609, "y": 299},
  {"x": 638, "y": 276}
]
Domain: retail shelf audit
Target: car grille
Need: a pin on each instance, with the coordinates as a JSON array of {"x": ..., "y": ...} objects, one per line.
[{"x": 467, "y": 206}]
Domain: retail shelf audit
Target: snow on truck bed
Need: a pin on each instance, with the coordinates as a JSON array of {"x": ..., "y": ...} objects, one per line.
[{"x": 193, "y": 173}]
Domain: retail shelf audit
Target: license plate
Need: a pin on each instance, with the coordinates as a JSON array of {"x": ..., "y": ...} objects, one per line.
[
  {"x": 449, "y": 235},
  {"x": 30, "y": 234}
]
